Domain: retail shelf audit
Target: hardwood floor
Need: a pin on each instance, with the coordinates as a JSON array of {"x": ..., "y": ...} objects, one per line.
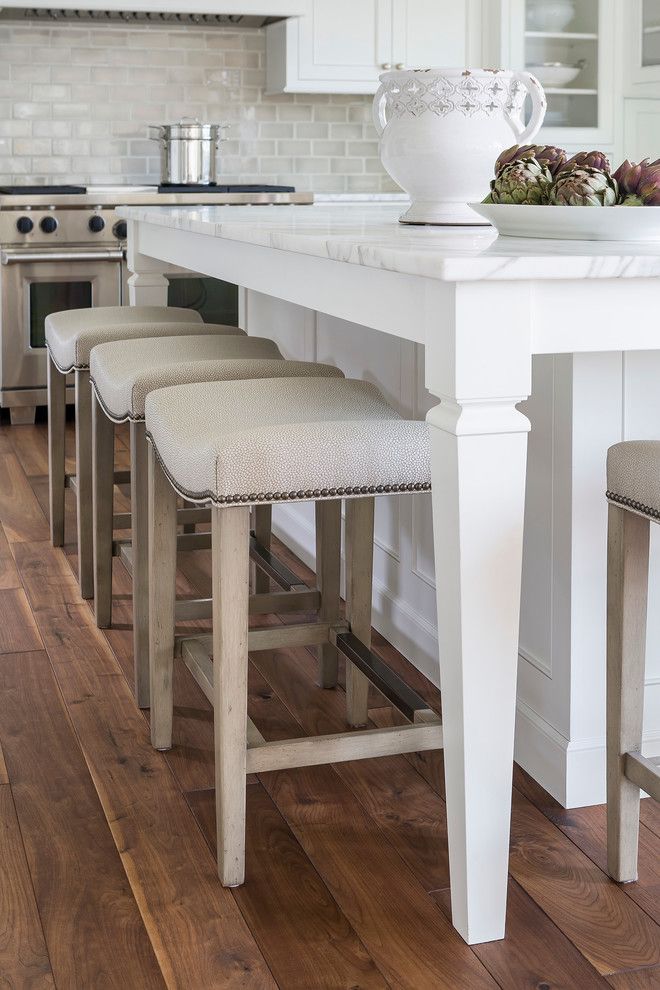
[{"x": 107, "y": 869}]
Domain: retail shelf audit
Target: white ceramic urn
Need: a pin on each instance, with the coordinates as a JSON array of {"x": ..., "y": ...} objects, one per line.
[{"x": 441, "y": 131}]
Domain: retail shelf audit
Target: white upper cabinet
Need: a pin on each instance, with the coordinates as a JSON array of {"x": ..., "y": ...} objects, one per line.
[
  {"x": 343, "y": 40},
  {"x": 343, "y": 46},
  {"x": 265, "y": 8}
]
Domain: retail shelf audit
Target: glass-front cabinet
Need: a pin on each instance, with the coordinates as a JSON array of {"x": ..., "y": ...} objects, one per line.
[
  {"x": 643, "y": 48},
  {"x": 569, "y": 45}
]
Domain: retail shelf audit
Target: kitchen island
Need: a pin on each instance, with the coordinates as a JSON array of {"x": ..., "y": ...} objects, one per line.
[{"x": 482, "y": 309}]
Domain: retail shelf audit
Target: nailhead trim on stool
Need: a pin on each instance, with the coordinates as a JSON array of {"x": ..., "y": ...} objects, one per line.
[
  {"x": 316, "y": 494},
  {"x": 629, "y": 503}
]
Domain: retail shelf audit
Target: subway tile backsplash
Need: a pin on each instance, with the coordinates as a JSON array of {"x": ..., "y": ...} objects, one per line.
[{"x": 76, "y": 101}]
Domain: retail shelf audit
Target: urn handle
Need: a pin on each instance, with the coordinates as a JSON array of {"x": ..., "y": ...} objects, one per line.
[
  {"x": 380, "y": 102},
  {"x": 539, "y": 106}
]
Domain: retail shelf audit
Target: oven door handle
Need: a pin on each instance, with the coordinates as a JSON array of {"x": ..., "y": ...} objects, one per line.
[{"x": 16, "y": 257}]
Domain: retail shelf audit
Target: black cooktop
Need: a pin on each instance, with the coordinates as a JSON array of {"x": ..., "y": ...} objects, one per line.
[
  {"x": 217, "y": 189},
  {"x": 43, "y": 190}
]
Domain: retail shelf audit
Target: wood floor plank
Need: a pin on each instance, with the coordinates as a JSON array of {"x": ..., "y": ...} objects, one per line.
[
  {"x": 410, "y": 940},
  {"x": 587, "y": 827},
  {"x": 305, "y": 939},
  {"x": 47, "y": 575},
  {"x": 24, "y": 961},
  {"x": 534, "y": 953},
  {"x": 8, "y": 573},
  {"x": 30, "y": 444},
  {"x": 650, "y": 815},
  {"x": 20, "y": 512},
  {"x": 639, "y": 979},
  {"x": 91, "y": 922},
  {"x": 595, "y": 913},
  {"x": 18, "y": 630},
  {"x": 198, "y": 933}
]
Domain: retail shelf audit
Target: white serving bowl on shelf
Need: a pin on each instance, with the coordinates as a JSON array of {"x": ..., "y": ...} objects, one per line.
[
  {"x": 550, "y": 15},
  {"x": 555, "y": 75}
]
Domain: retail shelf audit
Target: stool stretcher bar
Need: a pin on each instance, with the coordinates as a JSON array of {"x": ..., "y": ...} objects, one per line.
[
  {"x": 273, "y": 603},
  {"x": 397, "y": 692},
  {"x": 262, "y": 756},
  {"x": 644, "y": 772}
]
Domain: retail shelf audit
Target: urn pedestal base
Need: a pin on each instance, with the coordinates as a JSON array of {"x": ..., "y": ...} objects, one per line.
[{"x": 442, "y": 214}]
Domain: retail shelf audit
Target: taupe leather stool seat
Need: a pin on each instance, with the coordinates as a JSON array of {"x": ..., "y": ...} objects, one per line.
[
  {"x": 71, "y": 334},
  {"x": 633, "y": 491},
  {"x": 123, "y": 374},
  {"x": 240, "y": 445},
  {"x": 284, "y": 440}
]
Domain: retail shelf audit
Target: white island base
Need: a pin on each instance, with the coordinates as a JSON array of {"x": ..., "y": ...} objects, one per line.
[
  {"x": 580, "y": 405},
  {"x": 488, "y": 312}
]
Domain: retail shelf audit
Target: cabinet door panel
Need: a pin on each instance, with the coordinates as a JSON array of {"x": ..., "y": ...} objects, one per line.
[
  {"x": 345, "y": 39},
  {"x": 642, "y": 129},
  {"x": 428, "y": 33}
]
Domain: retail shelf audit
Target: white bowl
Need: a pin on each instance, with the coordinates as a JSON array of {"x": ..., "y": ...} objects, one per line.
[
  {"x": 635, "y": 224},
  {"x": 550, "y": 15},
  {"x": 555, "y": 75}
]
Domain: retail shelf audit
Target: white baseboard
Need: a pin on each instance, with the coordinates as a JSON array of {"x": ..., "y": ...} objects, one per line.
[{"x": 572, "y": 771}]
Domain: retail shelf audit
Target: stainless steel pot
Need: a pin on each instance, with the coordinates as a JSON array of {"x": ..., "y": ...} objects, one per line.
[{"x": 188, "y": 151}]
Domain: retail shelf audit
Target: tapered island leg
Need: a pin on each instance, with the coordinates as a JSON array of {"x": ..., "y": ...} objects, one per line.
[{"x": 478, "y": 451}]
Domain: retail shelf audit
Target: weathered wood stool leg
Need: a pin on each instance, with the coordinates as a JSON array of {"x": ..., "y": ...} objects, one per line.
[
  {"x": 359, "y": 549},
  {"x": 162, "y": 592},
  {"x": 263, "y": 521},
  {"x": 84, "y": 484},
  {"x": 56, "y": 456},
  {"x": 627, "y": 593},
  {"x": 140, "y": 560},
  {"x": 231, "y": 594},
  {"x": 103, "y": 492},
  {"x": 328, "y": 569}
]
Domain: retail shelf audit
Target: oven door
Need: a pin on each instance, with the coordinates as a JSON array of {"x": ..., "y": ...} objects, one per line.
[{"x": 34, "y": 284}]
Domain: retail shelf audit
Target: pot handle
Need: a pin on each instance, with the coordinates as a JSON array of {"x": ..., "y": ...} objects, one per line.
[
  {"x": 380, "y": 101},
  {"x": 539, "y": 106},
  {"x": 159, "y": 132}
]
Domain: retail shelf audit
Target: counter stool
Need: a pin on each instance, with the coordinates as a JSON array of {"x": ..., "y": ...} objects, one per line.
[
  {"x": 239, "y": 444},
  {"x": 122, "y": 375},
  {"x": 70, "y": 336},
  {"x": 633, "y": 491}
]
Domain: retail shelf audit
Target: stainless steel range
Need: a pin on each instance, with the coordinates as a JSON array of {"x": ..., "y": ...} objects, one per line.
[{"x": 63, "y": 247}]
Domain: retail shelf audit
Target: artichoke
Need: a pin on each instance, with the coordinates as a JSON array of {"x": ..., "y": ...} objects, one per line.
[
  {"x": 587, "y": 159},
  {"x": 584, "y": 186},
  {"x": 639, "y": 184},
  {"x": 524, "y": 183},
  {"x": 547, "y": 155}
]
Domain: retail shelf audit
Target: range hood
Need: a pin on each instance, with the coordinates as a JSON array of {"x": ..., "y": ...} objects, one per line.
[{"x": 234, "y": 13}]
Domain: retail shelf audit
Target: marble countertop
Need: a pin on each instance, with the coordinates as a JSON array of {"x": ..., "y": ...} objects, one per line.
[{"x": 369, "y": 234}]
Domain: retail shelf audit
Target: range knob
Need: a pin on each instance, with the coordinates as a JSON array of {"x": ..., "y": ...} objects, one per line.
[
  {"x": 48, "y": 225},
  {"x": 24, "y": 225},
  {"x": 96, "y": 224},
  {"x": 120, "y": 230}
]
